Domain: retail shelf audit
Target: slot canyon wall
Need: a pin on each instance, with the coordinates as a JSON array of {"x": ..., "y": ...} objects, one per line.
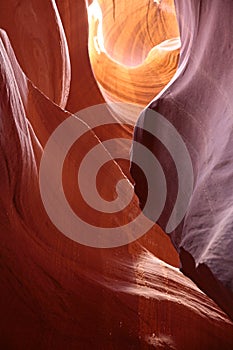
[{"x": 56, "y": 59}]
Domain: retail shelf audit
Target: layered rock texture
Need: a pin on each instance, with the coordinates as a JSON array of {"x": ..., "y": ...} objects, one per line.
[
  {"x": 198, "y": 103},
  {"x": 55, "y": 292}
]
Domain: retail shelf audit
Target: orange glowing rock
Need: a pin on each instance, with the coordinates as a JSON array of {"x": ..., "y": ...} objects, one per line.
[
  {"x": 55, "y": 292},
  {"x": 133, "y": 48}
]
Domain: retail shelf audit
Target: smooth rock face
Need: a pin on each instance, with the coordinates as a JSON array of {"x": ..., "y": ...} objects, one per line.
[
  {"x": 198, "y": 103},
  {"x": 56, "y": 293},
  {"x": 34, "y": 30}
]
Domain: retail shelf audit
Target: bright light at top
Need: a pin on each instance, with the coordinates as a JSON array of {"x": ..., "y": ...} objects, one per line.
[{"x": 95, "y": 15}]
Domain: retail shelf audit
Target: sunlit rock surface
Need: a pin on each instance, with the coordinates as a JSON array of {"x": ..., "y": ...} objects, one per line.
[
  {"x": 134, "y": 48},
  {"x": 56, "y": 293}
]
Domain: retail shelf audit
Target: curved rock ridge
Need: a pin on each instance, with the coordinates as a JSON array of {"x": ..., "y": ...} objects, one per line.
[
  {"x": 55, "y": 292},
  {"x": 46, "y": 64},
  {"x": 83, "y": 88},
  {"x": 198, "y": 103}
]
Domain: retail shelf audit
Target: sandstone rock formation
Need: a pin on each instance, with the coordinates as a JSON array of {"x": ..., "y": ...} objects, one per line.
[
  {"x": 55, "y": 292},
  {"x": 198, "y": 104}
]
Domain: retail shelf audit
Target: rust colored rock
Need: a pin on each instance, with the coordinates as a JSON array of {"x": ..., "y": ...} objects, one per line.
[
  {"x": 55, "y": 292},
  {"x": 35, "y": 29}
]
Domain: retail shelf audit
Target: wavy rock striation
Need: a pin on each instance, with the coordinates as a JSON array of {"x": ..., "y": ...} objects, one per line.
[
  {"x": 55, "y": 292},
  {"x": 198, "y": 104}
]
